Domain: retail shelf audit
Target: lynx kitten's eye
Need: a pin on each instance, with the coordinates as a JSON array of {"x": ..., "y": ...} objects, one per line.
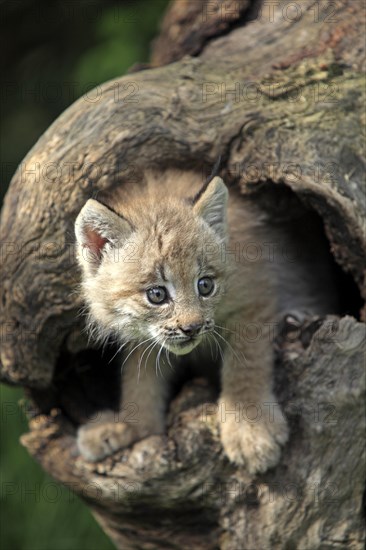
[
  {"x": 157, "y": 295},
  {"x": 205, "y": 286}
]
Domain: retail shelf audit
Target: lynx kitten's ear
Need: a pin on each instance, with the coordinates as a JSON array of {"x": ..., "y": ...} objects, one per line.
[
  {"x": 96, "y": 227},
  {"x": 210, "y": 203}
]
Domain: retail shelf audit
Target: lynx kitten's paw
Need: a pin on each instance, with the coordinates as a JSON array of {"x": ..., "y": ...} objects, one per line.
[
  {"x": 256, "y": 445},
  {"x": 100, "y": 438}
]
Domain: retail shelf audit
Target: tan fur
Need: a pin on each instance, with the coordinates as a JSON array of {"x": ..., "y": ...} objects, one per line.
[{"x": 162, "y": 235}]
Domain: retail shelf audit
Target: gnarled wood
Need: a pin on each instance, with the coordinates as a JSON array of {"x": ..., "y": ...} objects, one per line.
[
  {"x": 282, "y": 101},
  {"x": 179, "y": 490}
]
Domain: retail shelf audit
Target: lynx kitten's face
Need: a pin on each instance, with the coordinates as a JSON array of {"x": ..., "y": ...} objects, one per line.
[{"x": 155, "y": 274}]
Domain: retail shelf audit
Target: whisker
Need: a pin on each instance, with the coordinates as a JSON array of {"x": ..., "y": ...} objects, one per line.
[
  {"x": 224, "y": 328},
  {"x": 167, "y": 354},
  {"x": 156, "y": 365},
  {"x": 104, "y": 342},
  {"x": 218, "y": 347},
  {"x": 135, "y": 348},
  {"x": 117, "y": 352},
  {"x": 231, "y": 347},
  {"x": 150, "y": 347},
  {"x": 142, "y": 354},
  {"x": 140, "y": 360},
  {"x": 155, "y": 343},
  {"x": 158, "y": 360},
  {"x": 209, "y": 341}
]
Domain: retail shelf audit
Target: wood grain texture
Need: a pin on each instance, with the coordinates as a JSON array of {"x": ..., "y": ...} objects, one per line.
[
  {"x": 179, "y": 490},
  {"x": 282, "y": 101}
]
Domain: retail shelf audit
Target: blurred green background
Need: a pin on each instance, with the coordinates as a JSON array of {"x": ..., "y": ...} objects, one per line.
[{"x": 53, "y": 52}]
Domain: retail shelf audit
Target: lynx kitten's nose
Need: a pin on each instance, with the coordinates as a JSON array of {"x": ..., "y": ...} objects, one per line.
[{"x": 192, "y": 329}]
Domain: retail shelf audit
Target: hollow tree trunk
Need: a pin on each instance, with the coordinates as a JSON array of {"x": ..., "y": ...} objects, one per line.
[{"x": 277, "y": 90}]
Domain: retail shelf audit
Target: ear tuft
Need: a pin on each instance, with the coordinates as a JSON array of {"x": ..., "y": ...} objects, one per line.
[
  {"x": 96, "y": 226},
  {"x": 210, "y": 203}
]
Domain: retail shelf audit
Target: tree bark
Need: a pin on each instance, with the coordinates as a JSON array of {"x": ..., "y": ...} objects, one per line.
[{"x": 281, "y": 99}]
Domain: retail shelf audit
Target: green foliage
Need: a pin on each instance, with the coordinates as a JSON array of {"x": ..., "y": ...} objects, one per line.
[
  {"x": 52, "y": 53},
  {"x": 36, "y": 513},
  {"x": 122, "y": 34}
]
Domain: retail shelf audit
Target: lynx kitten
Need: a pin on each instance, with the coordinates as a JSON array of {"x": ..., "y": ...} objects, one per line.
[{"x": 168, "y": 269}]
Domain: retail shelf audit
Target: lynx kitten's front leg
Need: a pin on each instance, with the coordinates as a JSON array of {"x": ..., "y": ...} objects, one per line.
[
  {"x": 142, "y": 411},
  {"x": 252, "y": 425}
]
